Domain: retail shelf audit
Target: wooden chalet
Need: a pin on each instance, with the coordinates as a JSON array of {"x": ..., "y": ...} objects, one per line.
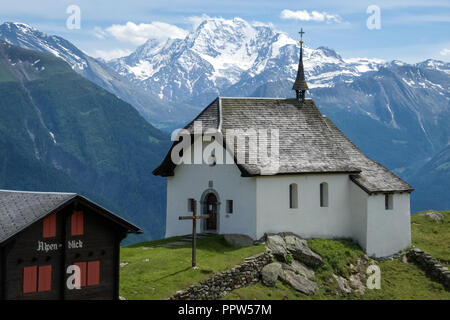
[{"x": 47, "y": 238}]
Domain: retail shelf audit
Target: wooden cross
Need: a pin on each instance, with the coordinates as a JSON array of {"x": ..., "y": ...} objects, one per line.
[{"x": 194, "y": 218}]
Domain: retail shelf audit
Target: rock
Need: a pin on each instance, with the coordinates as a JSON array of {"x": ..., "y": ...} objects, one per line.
[
  {"x": 404, "y": 259},
  {"x": 238, "y": 240},
  {"x": 122, "y": 298},
  {"x": 436, "y": 216},
  {"x": 276, "y": 244},
  {"x": 301, "y": 252},
  {"x": 343, "y": 285},
  {"x": 356, "y": 283},
  {"x": 270, "y": 274},
  {"x": 360, "y": 264},
  {"x": 123, "y": 264},
  {"x": 299, "y": 282},
  {"x": 299, "y": 268}
]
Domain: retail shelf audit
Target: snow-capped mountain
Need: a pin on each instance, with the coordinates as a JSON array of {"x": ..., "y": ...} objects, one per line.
[
  {"x": 152, "y": 108},
  {"x": 222, "y": 53},
  {"x": 398, "y": 113}
]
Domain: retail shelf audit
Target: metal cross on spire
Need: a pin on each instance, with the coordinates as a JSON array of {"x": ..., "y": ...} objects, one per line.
[
  {"x": 301, "y": 34},
  {"x": 300, "y": 85}
]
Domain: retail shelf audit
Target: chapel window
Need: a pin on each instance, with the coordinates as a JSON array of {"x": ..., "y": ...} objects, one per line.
[
  {"x": 293, "y": 196},
  {"x": 389, "y": 201},
  {"x": 324, "y": 194}
]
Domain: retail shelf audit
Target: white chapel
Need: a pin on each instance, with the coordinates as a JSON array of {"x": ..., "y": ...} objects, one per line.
[{"x": 269, "y": 165}]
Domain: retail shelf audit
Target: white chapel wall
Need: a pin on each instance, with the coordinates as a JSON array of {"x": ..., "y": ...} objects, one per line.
[
  {"x": 388, "y": 231},
  {"x": 309, "y": 219},
  {"x": 358, "y": 207}
]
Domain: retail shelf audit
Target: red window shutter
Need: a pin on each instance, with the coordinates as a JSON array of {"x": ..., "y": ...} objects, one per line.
[
  {"x": 82, "y": 266},
  {"x": 49, "y": 226},
  {"x": 77, "y": 223},
  {"x": 45, "y": 278},
  {"x": 93, "y": 273},
  {"x": 29, "y": 279}
]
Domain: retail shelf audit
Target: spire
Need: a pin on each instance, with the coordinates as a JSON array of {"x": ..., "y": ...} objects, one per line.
[{"x": 300, "y": 85}]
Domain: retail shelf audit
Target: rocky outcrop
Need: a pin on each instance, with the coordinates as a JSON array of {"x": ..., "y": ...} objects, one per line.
[
  {"x": 436, "y": 216},
  {"x": 277, "y": 246},
  {"x": 343, "y": 285},
  {"x": 295, "y": 257},
  {"x": 270, "y": 274},
  {"x": 299, "y": 282},
  {"x": 299, "y": 268},
  {"x": 301, "y": 252},
  {"x": 282, "y": 246},
  {"x": 356, "y": 283}
]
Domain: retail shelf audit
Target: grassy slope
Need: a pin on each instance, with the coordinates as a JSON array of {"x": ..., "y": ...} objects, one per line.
[
  {"x": 168, "y": 269},
  {"x": 433, "y": 238}
]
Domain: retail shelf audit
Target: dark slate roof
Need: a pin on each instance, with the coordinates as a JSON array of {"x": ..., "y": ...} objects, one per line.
[
  {"x": 308, "y": 141},
  {"x": 20, "y": 209}
]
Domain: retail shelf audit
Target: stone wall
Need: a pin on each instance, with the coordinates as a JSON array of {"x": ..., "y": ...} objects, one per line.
[
  {"x": 219, "y": 285},
  {"x": 431, "y": 266}
]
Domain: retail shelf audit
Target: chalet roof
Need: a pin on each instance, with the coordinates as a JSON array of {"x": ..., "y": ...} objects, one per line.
[
  {"x": 20, "y": 209},
  {"x": 308, "y": 141}
]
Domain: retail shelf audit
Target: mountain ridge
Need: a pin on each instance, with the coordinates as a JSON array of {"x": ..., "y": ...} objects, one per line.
[
  {"x": 61, "y": 132},
  {"x": 158, "y": 112},
  {"x": 219, "y": 53}
]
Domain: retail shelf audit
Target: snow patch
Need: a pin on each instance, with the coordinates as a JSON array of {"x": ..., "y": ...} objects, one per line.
[{"x": 52, "y": 136}]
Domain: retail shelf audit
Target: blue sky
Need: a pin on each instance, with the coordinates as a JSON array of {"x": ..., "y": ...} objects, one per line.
[{"x": 410, "y": 31}]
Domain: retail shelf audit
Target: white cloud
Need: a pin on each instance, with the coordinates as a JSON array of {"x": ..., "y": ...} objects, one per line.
[
  {"x": 111, "y": 54},
  {"x": 139, "y": 33},
  {"x": 445, "y": 52},
  {"x": 304, "y": 15}
]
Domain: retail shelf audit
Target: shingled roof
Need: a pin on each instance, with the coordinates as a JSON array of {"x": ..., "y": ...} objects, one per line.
[
  {"x": 20, "y": 209},
  {"x": 308, "y": 141}
]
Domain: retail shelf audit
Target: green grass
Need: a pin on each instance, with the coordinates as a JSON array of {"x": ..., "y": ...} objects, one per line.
[
  {"x": 337, "y": 255},
  {"x": 430, "y": 236},
  {"x": 169, "y": 269},
  {"x": 400, "y": 281}
]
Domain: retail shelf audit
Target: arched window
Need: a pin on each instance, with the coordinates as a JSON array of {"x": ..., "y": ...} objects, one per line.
[
  {"x": 293, "y": 196},
  {"x": 324, "y": 194}
]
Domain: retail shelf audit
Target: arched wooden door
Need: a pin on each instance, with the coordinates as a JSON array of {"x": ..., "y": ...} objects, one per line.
[{"x": 211, "y": 210}]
